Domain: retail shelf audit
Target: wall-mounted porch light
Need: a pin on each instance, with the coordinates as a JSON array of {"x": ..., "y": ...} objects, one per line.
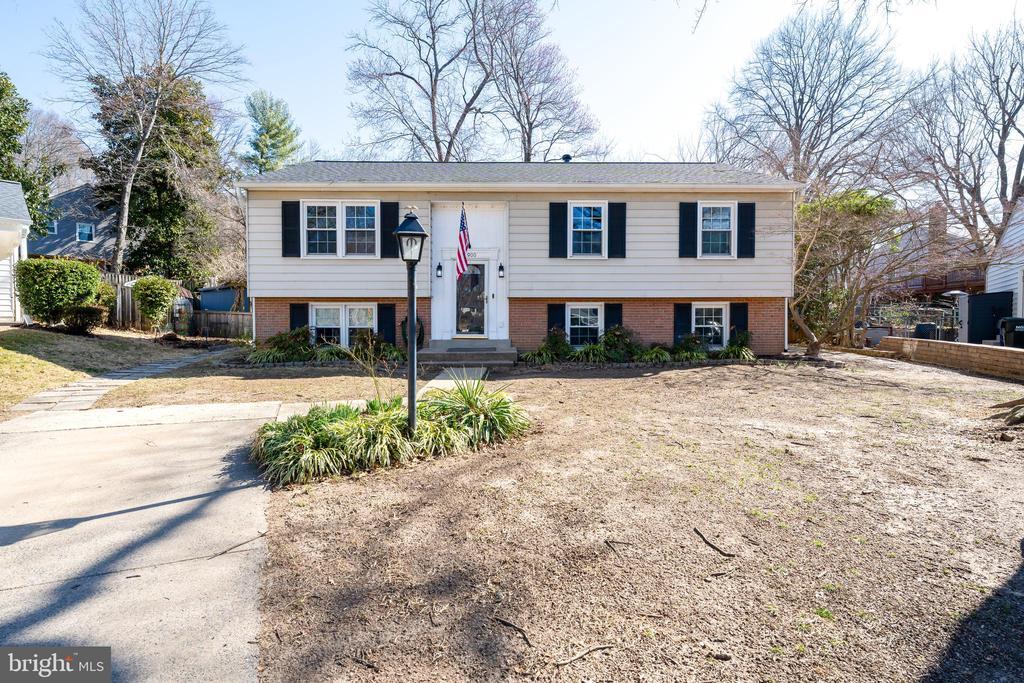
[
  {"x": 501, "y": 270},
  {"x": 439, "y": 271}
]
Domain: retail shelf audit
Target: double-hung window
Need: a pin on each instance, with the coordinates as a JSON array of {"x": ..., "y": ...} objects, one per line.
[
  {"x": 360, "y": 229},
  {"x": 51, "y": 227},
  {"x": 321, "y": 228},
  {"x": 711, "y": 323},
  {"x": 341, "y": 323},
  {"x": 717, "y": 230},
  {"x": 86, "y": 232},
  {"x": 585, "y": 323},
  {"x": 341, "y": 228},
  {"x": 588, "y": 237}
]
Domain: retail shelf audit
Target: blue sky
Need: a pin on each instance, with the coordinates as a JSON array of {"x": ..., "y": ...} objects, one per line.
[{"x": 644, "y": 73}]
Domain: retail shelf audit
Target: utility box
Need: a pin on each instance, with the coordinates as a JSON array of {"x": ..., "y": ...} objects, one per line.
[{"x": 1012, "y": 331}]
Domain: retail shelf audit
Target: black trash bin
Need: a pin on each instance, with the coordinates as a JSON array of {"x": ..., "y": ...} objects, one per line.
[
  {"x": 1012, "y": 330},
  {"x": 926, "y": 331}
]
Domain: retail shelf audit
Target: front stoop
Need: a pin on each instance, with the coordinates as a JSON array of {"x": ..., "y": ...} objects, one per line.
[{"x": 487, "y": 353}]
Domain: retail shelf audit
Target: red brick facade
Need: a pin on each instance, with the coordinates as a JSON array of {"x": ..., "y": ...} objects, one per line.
[
  {"x": 652, "y": 320},
  {"x": 272, "y": 314}
]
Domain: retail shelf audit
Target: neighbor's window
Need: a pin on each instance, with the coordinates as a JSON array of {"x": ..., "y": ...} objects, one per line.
[
  {"x": 584, "y": 323},
  {"x": 716, "y": 224},
  {"x": 321, "y": 229},
  {"x": 326, "y": 327},
  {"x": 360, "y": 230},
  {"x": 51, "y": 227},
  {"x": 341, "y": 323},
  {"x": 360, "y": 322},
  {"x": 587, "y": 234},
  {"x": 709, "y": 324},
  {"x": 86, "y": 232}
]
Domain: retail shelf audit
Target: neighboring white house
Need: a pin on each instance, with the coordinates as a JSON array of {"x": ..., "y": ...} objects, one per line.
[
  {"x": 665, "y": 249},
  {"x": 14, "y": 225},
  {"x": 1006, "y": 274}
]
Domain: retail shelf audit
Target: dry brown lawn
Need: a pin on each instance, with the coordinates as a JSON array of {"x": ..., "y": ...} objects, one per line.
[
  {"x": 33, "y": 359},
  {"x": 205, "y": 382},
  {"x": 868, "y": 521}
]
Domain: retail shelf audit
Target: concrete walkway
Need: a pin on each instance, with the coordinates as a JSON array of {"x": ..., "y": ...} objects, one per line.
[
  {"x": 84, "y": 394},
  {"x": 139, "y": 529},
  {"x": 446, "y": 378}
]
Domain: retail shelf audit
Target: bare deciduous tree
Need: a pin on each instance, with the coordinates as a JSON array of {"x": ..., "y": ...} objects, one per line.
[
  {"x": 422, "y": 74},
  {"x": 965, "y": 142},
  {"x": 132, "y": 52},
  {"x": 538, "y": 102},
  {"x": 52, "y": 141},
  {"x": 813, "y": 105}
]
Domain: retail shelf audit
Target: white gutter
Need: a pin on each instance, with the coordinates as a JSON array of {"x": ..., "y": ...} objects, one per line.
[{"x": 514, "y": 187}]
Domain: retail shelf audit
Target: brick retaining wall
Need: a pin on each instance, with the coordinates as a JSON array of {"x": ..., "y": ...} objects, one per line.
[{"x": 997, "y": 361}]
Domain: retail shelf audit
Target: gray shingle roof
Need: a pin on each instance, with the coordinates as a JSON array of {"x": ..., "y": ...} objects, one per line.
[
  {"x": 12, "y": 202},
  {"x": 515, "y": 173}
]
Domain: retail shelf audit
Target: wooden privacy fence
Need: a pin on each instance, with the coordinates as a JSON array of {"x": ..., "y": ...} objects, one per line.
[{"x": 222, "y": 324}]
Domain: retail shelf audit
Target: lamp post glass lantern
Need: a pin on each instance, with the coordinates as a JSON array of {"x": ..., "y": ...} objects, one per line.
[{"x": 411, "y": 236}]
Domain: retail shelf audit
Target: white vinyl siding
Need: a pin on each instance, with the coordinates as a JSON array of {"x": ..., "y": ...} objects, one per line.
[
  {"x": 273, "y": 275},
  {"x": 652, "y": 267},
  {"x": 7, "y": 306},
  {"x": 1008, "y": 275}
]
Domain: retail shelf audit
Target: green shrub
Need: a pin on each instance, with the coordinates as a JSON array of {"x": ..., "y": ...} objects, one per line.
[
  {"x": 591, "y": 353},
  {"x": 683, "y": 356},
  {"x": 287, "y": 347},
  {"x": 486, "y": 417},
  {"x": 329, "y": 352},
  {"x": 48, "y": 288},
  {"x": 106, "y": 296},
  {"x": 738, "y": 348},
  {"x": 557, "y": 344},
  {"x": 542, "y": 356},
  {"x": 655, "y": 354},
  {"x": 154, "y": 295},
  {"x": 84, "y": 318},
  {"x": 620, "y": 344},
  {"x": 303, "y": 447}
]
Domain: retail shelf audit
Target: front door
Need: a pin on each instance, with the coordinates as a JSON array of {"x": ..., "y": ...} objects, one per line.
[{"x": 471, "y": 301}]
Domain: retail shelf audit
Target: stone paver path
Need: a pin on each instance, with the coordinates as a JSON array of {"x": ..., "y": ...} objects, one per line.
[{"x": 82, "y": 395}]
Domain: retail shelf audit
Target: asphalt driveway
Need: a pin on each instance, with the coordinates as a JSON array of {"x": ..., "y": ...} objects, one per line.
[{"x": 137, "y": 529}]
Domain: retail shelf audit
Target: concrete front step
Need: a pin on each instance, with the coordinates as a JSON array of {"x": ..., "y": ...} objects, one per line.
[{"x": 469, "y": 352}]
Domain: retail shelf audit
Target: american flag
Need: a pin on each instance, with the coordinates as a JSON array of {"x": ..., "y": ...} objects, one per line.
[{"x": 462, "y": 259}]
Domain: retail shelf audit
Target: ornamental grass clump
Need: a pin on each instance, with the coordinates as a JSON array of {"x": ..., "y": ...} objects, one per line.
[
  {"x": 655, "y": 354},
  {"x": 328, "y": 442},
  {"x": 590, "y": 353},
  {"x": 303, "y": 448},
  {"x": 486, "y": 417}
]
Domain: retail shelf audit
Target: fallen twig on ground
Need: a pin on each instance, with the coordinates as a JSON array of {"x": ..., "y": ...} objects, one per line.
[
  {"x": 1009, "y": 404},
  {"x": 611, "y": 543},
  {"x": 712, "y": 545},
  {"x": 238, "y": 545},
  {"x": 719, "y": 574},
  {"x": 583, "y": 654},
  {"x": 516, "y": 627}
]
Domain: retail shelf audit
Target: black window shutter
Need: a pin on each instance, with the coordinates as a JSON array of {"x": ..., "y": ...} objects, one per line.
[
  {"x": 745, "y": 230},
  {"x": 617, "y": 230},
  {"x": 556, "y": 316},
  {"x": 682, "y": 314},
  {"x": 612, "y": 315},
  {"x": 738, "y": 316},
  {"x": 687, "y": 229},
  {"x": 298, "y": 316},
  {"x": 386, "y": 322},
  {"x": 388, "y": 225},
  {"x": 291, "y": 235},
  {"x": 558, "y": 226}
]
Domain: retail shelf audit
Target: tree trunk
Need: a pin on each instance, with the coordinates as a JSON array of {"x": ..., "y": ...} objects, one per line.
[
  {"x": 813, "y": 343},
  {"x": 126, "y": 192}
]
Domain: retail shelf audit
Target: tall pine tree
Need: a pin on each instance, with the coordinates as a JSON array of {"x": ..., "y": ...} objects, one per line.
[{"x": 275, "y": 137}]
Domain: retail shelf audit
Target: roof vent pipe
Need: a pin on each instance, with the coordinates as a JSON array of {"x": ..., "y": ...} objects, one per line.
[{"x": 566, "y": 158}]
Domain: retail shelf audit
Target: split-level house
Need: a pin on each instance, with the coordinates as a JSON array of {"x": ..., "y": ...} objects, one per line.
[{"x": 665, "y": 249}]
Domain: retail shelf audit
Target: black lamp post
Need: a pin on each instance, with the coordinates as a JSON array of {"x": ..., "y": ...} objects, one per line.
[{"x": 411, "y": 236}]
